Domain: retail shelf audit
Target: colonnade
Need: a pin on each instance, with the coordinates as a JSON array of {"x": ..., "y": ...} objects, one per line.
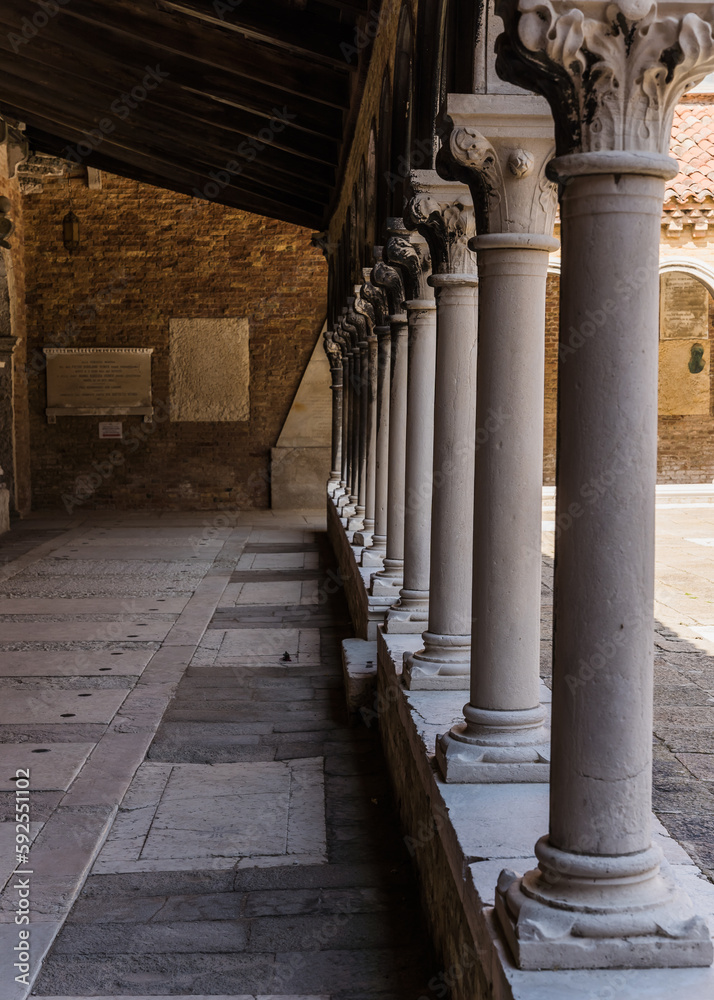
[{"x": 448, "y": 441}]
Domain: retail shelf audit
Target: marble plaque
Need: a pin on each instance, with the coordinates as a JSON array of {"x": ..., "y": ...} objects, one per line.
[
  {"x": 209, "y": 366},
  {"x": 683, "y": 377},
  {"x": 684, "y": 308},
  {"x": 98, "y": 380}
]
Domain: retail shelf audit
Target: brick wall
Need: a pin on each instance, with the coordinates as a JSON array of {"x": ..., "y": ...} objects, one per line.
[
  {"x": 148, "y": 255},
  {"x": 686, "y": 443}
]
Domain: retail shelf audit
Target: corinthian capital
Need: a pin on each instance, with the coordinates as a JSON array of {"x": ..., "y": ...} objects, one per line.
[
  {"x": 500, "y": 146},
  {"x": 442, "y": 212},
  {"x": 390, "y": 281},
  {"x": 410, "y": 255},
  {"x": 612, "y": 72},
  {"x": 373, "y": 295}
]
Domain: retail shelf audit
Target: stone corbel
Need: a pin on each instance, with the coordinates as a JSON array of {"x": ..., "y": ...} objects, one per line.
[
  {"x": 14, "y": 148},
  {"x": 500, "y": 145},
  {"x": 442, "y": 212},
  {"x": 613, "y": 73}
]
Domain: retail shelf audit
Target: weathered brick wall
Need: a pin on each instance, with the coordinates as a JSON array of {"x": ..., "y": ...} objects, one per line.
[
  {"x": 146, "y": 256},
  {"x": 17, "y": 477},
  {"x": 686, "y": 443}
]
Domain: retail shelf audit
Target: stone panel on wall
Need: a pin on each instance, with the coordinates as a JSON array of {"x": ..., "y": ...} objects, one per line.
[
  {"x": 684, "y": 307},
  {"x": 209, "y": 369},
  {"x": 683, "y": 377}
]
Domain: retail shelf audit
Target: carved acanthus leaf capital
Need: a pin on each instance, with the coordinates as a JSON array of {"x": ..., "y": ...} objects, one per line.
[
  {"x": 332, "y": 350},
  {"x": 505, "y": 174},
  {"x": 612, "y": 72},
  {"x": 390, "y": 281},
  {"x": 442, "y": 212}
]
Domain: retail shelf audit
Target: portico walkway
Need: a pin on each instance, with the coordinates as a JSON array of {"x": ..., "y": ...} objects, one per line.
[{"x": 205, "y": 822}]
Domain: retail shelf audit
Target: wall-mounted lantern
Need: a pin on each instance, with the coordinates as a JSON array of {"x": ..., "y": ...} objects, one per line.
[{"x": 70, "y": 231}]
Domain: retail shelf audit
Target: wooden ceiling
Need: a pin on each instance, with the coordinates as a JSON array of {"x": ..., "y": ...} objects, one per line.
[{"x": 269, "y": 86}]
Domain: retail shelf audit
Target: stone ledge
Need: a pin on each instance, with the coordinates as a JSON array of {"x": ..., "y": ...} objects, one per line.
[
  {"x": 359, "y": 669},
  {"x": 473, "y": 832},
  {"x": 367, "y": 612}
]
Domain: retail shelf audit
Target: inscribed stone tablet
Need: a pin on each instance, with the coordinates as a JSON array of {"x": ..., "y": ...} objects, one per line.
[
  {"x": 684, "y": 308},
  {"x": 209, "y": 369},
  {"x": 98, "y": 378}
]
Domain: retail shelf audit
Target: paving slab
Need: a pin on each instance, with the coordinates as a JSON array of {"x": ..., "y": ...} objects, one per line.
[
  {"x": 84, "y": 631},
  {"x": 61, "y": 707},
  {"x": 79, "y": 663},
  {"x": 52, "y": 766},
  {"x": 174, "y": 815}
]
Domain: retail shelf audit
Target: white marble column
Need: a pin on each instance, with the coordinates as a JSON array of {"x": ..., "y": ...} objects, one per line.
[
  {"x": 334, "y": 357},
  {"x": 500, "y": 145},
  {"x": 374, "y": 304},
  {"x": 443, "y": 213},
  {"x": 409, "y": 254},
  {"x": 387, "y": 581},
  {"x": 598, "y": 898},
  {"x": 342, "y": 340},
  {"x": 375, "y": 552},
  {"x": 361, "y": 323}
]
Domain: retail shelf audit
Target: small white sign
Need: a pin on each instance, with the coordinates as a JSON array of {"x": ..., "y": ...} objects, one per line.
[{"x": 111, "y": 429}]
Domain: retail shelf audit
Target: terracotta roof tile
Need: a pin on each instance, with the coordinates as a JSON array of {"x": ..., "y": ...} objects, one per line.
[{"x": 693, "y": 145}]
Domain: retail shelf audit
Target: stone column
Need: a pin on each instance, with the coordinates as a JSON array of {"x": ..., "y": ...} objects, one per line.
[
  {"x": 361, "y": 321},
  {"x": 374, "y": 554},
  {"x": 348, "y": 502},
  {"x": 410, "y": 255},
  {"x": 343, "y": 340},
  {"x": 443, "y": 213},
  {"x": 500, "y": 145},
  {"x": 385, "y": 580},
  {"x": 374, "y": 302},
  {"x": 334, "y": 357},
  {"x": 598, "y": 898}
]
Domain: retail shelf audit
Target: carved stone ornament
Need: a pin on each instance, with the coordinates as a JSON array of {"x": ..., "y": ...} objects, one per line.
[
  {"x": 390, "y": 280},
  {"x": 442, "y": 212},
  {"x": 612, "y": 72},
  {"x": 333, "y": 352},
  {"x": 508, "y": 183},
  {"x": 410, "y": 255}
]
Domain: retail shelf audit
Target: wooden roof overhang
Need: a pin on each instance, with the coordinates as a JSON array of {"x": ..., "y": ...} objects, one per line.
[{"x": 251, "y": 103}]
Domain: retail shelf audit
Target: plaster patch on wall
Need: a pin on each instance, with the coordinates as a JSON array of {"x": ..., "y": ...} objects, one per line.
[
  {"x": 209, "y": 366},
  {"x": 682, "y": 389}
]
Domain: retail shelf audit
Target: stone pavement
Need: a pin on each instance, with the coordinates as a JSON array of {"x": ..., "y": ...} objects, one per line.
[{"x": 204, "y": 821}]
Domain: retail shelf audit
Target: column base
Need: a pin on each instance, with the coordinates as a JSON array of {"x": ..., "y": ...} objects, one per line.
[
  {"x": 410, "y": 615},
  {"x": 355, "y": 523},
  {"x": 493, "y": 745},
  {"x": 599, "y": 912},
  {"x": 362, "y": 538},
  {"x": 377, "y": 551},
  {"x": 443, "y": 665},
  {"x": 389, "y": 580},
  {"x": 466, "y": 763}
]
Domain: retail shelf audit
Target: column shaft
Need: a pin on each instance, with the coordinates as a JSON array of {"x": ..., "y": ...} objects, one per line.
[
  {"x": 413, "y": 604},
  {"x": 391, "y": 575},
  {"x": 374, "y": 554},
  {"x": 447, "y": 640}
]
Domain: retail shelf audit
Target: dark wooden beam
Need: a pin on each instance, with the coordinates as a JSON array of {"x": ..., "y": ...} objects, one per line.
[
  {"x": 103, "y": 35},
  {"x": 259, "y": 175},
  {"x": 129, "y": 163},
  {"x": 295, "y": 30},
  {"x": 83, "y": 106}
]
